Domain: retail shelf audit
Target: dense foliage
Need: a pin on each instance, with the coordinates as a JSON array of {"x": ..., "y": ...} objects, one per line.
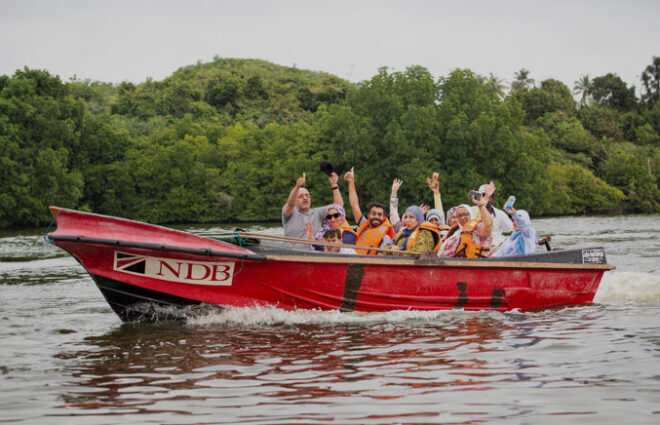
[{"x": 226, "y": 140}]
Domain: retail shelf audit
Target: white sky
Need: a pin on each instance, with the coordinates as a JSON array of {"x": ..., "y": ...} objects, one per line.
[{"x": 131, "y": 40}]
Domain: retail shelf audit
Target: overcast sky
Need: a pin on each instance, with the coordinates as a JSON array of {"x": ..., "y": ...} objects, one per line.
[{"x": 114, "y": 41}]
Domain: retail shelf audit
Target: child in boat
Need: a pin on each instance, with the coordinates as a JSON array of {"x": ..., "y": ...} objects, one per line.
[{"x": 334, "y": 236}]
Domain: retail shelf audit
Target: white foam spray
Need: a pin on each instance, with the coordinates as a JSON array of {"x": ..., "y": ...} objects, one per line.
[{"x": 619, "y": 286}]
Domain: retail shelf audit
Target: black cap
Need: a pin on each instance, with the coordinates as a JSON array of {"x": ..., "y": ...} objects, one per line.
[{"x": 327, "y": 167}]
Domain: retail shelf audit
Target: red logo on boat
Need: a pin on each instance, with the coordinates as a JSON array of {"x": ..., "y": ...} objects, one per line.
[{"x": 175, "y": 270}]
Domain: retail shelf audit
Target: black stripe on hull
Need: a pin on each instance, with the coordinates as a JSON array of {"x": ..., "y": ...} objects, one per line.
[
  {"x": 352, "y": 287},
  {"x": 135, "y": 304}
]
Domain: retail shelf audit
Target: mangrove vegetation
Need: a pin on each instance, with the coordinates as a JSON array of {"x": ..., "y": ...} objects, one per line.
[{"x": 226, "y": 140}]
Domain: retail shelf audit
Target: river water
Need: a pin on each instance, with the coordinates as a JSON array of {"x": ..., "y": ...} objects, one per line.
[{"x": 65, "y": 358}]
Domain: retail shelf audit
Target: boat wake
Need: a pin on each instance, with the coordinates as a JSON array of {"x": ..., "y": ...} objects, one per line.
[
  {"x": 268, "y": 316},
  {"x": 616, "y": 287},
  {"x": 628, "y": 286}
]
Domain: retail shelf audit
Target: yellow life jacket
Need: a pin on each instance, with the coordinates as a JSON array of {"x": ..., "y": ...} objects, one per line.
[
  {"x": 373, "y": 236},
  {"x": 467, "y": 248},
  {"x": 413, "y": 236}
]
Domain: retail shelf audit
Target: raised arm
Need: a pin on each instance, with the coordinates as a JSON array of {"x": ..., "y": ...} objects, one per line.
[
  {"x": 353, "y": 196},
  {"x": 486, "y": 217},
  {"x": 336, "y": 194},
  {"x": 293, "y": 196},
  {"x": 434, "y": 185},
  {"x": 395, "y": 220}
]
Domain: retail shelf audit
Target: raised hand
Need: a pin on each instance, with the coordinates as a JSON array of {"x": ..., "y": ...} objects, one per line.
[
  {"x": 308, "y": 230},
  {"x": 301, "y": 180},
  {"x": 334, "y": 178},
  {"x": 396, "y": 184},
  {"x": 350, "y": 175},
  {"x": 434, "y": 183},
  {"x": 490, "y": 189},
  {"x": 425, "y": 208}
]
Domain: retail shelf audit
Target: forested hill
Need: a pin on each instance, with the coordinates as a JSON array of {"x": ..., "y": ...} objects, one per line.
[{"x": 226, "y": 140}]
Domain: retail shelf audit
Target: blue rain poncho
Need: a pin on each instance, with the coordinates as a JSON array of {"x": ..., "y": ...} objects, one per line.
[{"x": 521, "y": 241}]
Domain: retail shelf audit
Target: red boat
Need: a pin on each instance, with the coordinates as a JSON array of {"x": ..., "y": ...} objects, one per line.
[{"x": 136, "y": 264}]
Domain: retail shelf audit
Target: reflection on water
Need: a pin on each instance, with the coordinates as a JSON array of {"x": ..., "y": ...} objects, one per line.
[
  {"x": 172, "y": 367},
  {"x": 473, "y": 366}
]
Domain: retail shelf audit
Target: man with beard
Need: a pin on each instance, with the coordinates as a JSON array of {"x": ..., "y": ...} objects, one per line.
[
  {"x": 298, "y": 214},
  {"x": 374, "y": 230}
]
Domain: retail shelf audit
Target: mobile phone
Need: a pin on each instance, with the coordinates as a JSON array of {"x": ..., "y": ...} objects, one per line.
[
  {"x": 509, "y": 203},
  {"x": 474, "y": 194}
]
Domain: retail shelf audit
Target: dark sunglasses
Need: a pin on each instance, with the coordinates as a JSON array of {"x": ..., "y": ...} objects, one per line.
[{"x": 331, "y": 216}]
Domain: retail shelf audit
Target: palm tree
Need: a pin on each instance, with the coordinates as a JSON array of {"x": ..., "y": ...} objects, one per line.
[
  {"x": 583, "y": 86},
  {"x": 651, "y": 81},
  {"x": 496, "y": 84},
  {"x": 521, "y": 81}
]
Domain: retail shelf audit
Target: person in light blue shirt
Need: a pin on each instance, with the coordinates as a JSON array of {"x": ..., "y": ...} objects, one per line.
[{"x": 523, "y": 239}]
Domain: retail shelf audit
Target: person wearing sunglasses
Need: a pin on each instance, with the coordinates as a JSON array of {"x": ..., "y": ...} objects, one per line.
[
  {"x": 298, "y": 214},
  {"x": 336, "y": 219}
]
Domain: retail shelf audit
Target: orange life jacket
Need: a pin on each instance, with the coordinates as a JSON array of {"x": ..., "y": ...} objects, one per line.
[
  {"x": 413, "y": 236},
  {"x": 373, "y": 236},
  {"x": 467, "y": 248}
]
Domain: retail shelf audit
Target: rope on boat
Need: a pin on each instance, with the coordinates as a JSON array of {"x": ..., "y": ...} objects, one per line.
[
  {"x": 236, "y": 238},
  {"x": 239, "y": 235}
]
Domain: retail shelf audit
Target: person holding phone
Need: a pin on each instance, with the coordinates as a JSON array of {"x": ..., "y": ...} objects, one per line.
[
  {"x": 502, "y": 224},
  {"x": 474, "y": 239}
]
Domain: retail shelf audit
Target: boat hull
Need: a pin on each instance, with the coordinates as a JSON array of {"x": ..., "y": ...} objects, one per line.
[{"x": 179, "y": 269}]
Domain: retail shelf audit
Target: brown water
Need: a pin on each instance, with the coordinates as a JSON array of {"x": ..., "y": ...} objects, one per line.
[{"x": 66, "y": 358}]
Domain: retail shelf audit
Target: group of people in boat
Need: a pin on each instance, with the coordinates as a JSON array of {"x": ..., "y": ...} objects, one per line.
[{"x": 468, "y": 231}]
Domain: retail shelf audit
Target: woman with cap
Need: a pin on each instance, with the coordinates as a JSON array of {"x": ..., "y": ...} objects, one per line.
[{"x": 416, "y": 235}]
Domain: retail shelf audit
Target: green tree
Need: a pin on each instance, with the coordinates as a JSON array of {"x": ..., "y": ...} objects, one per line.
[
  {"x": 497, "y": 85},
  {"x": 39, "y": 125},
  {"x": 611, "y": 91},
  {"x": 651, "y": 83},
  {"x": 575, "y": 190},
  {"x": 521, "y": 81},
  {"x": 629, "y": 169},
  {"x": 583, "y": 87},
  {"x": 551, "y": 96}
]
